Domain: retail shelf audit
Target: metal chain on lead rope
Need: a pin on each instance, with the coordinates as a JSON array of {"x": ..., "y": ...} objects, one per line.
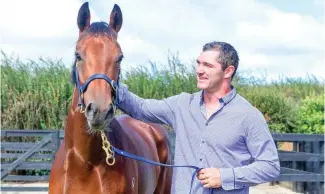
[{"x": 110, "y": 159}]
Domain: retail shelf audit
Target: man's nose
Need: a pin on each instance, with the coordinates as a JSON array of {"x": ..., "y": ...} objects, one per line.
[{"x": 199, "y": 68}]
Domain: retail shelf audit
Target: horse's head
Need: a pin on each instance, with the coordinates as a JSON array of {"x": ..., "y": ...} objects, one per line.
[{"x": 97, "y": 66}]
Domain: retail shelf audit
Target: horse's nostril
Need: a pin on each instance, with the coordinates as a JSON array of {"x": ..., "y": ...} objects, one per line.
[{"x": 91, "y": 110}]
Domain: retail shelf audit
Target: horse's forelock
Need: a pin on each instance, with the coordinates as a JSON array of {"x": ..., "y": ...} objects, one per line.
[{"x": 100, "y": 28}]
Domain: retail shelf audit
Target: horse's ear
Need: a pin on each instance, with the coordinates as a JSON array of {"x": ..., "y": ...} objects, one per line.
[
  {"x": 116, "y": 19},
  {"x": 83, "y": 17}
]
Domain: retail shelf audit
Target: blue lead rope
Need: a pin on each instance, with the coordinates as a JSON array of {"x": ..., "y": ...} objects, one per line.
[{"x": 132, "y": 156}]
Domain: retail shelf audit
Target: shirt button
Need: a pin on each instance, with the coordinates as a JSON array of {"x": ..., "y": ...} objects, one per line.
[
  {"x": 202, "y": 141},
  {"x": 206, "y": 124},
  {"x": 200, "y": 159}
]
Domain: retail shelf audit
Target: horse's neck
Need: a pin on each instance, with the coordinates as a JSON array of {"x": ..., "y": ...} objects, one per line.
[{"x": 86, "y": 146}]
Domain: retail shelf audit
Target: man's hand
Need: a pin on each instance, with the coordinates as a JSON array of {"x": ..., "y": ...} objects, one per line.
[{"x": 209, "y": 177}]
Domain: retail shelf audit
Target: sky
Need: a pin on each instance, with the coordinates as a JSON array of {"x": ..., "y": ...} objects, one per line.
[{"x": 273, "y": 37}]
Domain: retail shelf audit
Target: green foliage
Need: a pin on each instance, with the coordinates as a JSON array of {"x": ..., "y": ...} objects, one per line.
[
  {"x": 280, "y": 100},
  {"x": 169, "y": 80},
  {"x": 37, "y": 95},
  {"x": 311, "y": 115},
  {"x": 278, "y": 112},
  {"x": 34, "y": 95}
]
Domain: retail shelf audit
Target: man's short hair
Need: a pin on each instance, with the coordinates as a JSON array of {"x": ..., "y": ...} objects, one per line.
[{"x": 227, "y": 54}]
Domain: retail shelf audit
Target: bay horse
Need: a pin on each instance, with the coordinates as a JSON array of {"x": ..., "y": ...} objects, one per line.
[{"x": 81, "y": 164}]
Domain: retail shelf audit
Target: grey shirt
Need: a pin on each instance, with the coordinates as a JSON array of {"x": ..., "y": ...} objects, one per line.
[{"x": 235, "y": 139}]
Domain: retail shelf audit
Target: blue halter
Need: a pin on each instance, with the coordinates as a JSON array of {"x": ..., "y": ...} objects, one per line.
[{"x": 83, "y": 88}]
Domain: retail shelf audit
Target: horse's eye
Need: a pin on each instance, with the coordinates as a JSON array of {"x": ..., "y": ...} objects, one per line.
[
  {"x": 119, "y": 59},
  {"x": 77, "y": 55}
]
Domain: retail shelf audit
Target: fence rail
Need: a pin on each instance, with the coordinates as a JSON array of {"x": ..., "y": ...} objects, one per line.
[{"x": 27, "y": 156}]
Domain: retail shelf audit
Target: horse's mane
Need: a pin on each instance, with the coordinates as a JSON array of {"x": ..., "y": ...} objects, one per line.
[{"x": 95, "y": 29}]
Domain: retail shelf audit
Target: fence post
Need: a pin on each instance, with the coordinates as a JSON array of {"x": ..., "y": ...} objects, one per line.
[
  {"x": 321, "y": 163},
  {"x": 55, "y": 143},
  {"x": 316, "y": 165},
  {"x": 309, "y": 166},
  {"x": 294, "y": 165},
  {"x": 300, "y": 186}
]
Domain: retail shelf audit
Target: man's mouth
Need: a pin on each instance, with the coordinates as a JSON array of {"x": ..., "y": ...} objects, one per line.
[{"x": 202, "y": 78}]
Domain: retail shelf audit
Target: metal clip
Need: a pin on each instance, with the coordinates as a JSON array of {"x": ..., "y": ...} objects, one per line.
[
  {"x": 82, "y": 110},
  {"x": 112, "y": 84},
  {"x": 110, "y": 159}
]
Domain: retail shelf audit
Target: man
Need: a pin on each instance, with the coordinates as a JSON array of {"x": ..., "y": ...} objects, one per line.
[{"x": 216, "y": 128}]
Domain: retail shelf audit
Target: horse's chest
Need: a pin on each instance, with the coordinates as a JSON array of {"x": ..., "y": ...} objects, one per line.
[{"x": 81, "y": 177}]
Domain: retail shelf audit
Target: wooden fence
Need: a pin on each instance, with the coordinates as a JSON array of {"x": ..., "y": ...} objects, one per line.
[{"x": 27, "y": 156}]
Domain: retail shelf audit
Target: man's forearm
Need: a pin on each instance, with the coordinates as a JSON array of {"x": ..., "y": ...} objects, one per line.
[
  {"x": 131, "y": 104},
  {"x": 148, "y": 110},
  {"x": 250, "y": 175}
]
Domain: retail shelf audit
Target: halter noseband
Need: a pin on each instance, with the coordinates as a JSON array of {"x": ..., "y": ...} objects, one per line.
[{"x": 83, "y": 88}]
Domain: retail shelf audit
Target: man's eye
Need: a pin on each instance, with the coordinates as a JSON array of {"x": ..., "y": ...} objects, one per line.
[{"x": 207, "y": 65}]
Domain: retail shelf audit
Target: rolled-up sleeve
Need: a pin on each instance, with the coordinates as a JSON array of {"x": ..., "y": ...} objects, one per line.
[
  {"x": 265, "y": 166},
  {"x": 148, "y": 110}
]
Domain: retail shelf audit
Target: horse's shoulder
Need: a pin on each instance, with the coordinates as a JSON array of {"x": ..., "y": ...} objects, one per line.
[
  {"x": 157, "y": 131},
  {"x": 124, "y": 120}
]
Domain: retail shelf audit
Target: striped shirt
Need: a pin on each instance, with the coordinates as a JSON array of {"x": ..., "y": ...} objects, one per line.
[{"x": 235, "y": 139}]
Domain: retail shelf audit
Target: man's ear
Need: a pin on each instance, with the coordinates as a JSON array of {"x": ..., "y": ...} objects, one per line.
[{"x": 229, "y": 71}]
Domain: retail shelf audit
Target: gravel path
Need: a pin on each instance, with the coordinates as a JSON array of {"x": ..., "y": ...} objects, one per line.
[{"x": 260, "y": 189}]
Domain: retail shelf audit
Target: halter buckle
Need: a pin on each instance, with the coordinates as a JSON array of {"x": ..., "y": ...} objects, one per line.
[
  {"x": 81, "y": 105},
  {"x": 82, "y": 110},
  {"x": 112, "y": 85}
]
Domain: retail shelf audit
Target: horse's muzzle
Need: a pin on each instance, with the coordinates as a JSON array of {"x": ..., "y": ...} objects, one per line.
[{"x": 98, "y": 119}]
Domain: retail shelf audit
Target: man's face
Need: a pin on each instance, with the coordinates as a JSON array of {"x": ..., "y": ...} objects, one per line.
[{"x": 209, "y": 72}]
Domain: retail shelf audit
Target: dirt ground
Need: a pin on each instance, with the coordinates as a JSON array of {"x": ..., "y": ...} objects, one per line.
[{"x": 260, "y": 189}]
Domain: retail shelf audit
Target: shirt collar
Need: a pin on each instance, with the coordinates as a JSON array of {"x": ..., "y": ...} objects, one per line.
[{"x": 224, "y": 100}]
